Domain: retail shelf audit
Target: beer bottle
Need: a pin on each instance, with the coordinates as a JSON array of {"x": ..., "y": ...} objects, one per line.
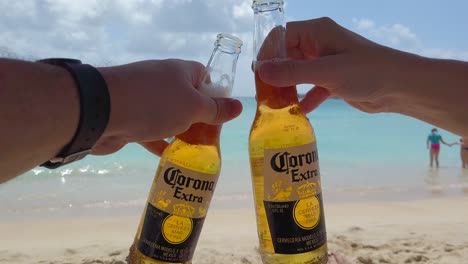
[
  {"x": 283, "y": 157},
  {"x": 187, "y": 174}
]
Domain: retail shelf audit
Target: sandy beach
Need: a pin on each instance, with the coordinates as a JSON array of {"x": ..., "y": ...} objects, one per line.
[
  {"x": 424, "y": 231},
  {"x": 382, "y": 203}
]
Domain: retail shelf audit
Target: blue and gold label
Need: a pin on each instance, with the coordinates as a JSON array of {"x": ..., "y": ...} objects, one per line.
[
  {"x": 293, "y": 199},
  {"x": 175, "y": 213},
  {"x": 167, "y": 237}
]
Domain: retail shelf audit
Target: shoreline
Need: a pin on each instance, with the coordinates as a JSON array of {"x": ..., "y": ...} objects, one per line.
[
  {"x": 101, "y": 208},
  {"x": 425, "y": 231}
]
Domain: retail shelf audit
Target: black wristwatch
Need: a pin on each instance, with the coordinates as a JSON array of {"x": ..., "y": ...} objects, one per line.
[{"x": 94, "y": 110}]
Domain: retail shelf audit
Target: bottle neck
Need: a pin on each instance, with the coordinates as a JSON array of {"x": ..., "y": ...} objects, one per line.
[
  {"x": 201, "y": 134},
  {"x": 221, "y": 69},
  {"x": 217, "y": 82},
  {"x": 269, "y": 44},
  {"x": 275, "y": 97},
  {"x": 269, "y": 32}
]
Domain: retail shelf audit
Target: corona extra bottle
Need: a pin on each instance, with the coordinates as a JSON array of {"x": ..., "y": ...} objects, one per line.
[
  {"x": 187, "y": 174},
  {"x": 283, "y": 158}
]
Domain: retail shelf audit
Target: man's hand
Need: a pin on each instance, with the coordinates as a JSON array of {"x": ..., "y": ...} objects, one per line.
[
  {"x": 369, "y": 76},
  {"x": 153, "y": 100},
  {"x": 150, "y": 101},
  {"x": 338, "y": 61}
]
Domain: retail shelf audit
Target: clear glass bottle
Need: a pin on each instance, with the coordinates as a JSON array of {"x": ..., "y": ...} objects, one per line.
[
  {"x": 283, "y": 158},
  {"x": 187, "y": 175}
]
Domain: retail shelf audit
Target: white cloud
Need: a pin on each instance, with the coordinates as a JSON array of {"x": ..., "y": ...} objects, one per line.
[
  {"x": 243, "y": 10},
  {"x": 78, "y": 27},
  {"x": 364, "y": 24},
  {"x": 402, "y": 37},
  {"x": 394, "y": 35},
  {"x": 107, "y": 32}
]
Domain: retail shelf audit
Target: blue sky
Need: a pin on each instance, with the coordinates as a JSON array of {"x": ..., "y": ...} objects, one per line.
[
  {"x": 442, "y": 24},
  {"x": 110, "y": 32}
]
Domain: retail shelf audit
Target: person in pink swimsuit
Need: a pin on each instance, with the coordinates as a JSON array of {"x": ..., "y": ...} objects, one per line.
[{"x": 433, "y": 144}]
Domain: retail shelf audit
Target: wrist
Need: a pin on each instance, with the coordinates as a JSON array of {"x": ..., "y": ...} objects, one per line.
[
  {"x": 63, "y": 94},
  {"x": 94, "y": 101},
  {"x": 119, "y": 107}
]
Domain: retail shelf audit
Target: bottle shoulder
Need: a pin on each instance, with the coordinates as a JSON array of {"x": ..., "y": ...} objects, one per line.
[
  {"x": 202, "y": 158},
  {"x": 286, "y": 127}
]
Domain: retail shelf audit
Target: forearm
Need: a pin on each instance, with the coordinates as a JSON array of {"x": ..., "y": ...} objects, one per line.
[
  {"x": 39, "y": 112},
  {"x": 39, "y": 108},
  {"x": 435, "y": 91}
]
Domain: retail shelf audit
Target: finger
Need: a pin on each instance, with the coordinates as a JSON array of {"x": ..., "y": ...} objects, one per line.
[
  {"x": 297, "y": 37},
  {"x": 205, "y": 82},
  {"x": 195, "y": 71},
  {"x": 314, "y": 98},
  {"x": 295, "y": 54},
  {"x": 321, "y": 71},
  {"x": 155, "y": 147},
  {"x": 218, "y": 110},
  {"x": 332, "y": 259},
  {"x": 273, "y": 46},
  {"x": 293, "y": 35},
  {"x": 315, "y": 37}
]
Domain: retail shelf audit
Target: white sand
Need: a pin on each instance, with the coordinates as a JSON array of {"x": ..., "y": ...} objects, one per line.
[{"x": 430, "y": 231}]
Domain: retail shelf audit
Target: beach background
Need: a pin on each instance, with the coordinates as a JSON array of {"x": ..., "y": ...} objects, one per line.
[{"x": 383, "y": 204}]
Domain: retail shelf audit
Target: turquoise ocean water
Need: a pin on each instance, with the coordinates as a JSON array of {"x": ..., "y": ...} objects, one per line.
[{"x": 362, "y": 157}]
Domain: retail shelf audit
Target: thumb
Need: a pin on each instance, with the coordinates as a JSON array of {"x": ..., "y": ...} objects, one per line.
[
  {"x": 291, "y": 72},
  {"x": 219, "y": 110}
]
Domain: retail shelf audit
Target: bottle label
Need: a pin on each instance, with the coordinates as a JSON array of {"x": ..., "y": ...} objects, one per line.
[
  {"x": 175, "y": 213},
  {"x": 293, "y": 199}
]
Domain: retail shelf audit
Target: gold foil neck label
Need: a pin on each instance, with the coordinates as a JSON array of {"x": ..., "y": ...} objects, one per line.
[
  {"x": 291, "y": 174},
  {"x": 183, "y": 192}
]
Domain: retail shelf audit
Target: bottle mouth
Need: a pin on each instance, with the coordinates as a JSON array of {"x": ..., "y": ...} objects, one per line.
[
  {"x": 229, "y": 43},
  {"x": 266, "y": 5}
]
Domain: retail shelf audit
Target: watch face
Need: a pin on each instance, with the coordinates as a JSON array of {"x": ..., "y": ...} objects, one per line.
[{"x": 58, "y": 61}]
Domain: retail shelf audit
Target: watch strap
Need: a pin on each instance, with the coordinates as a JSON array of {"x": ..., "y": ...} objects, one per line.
[{"x": 94, "y": 111}]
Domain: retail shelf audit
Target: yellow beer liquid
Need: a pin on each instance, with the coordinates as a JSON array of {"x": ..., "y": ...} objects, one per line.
[
  {"x": 279, "y": 123},
  {"x": 196, "y": 149}
]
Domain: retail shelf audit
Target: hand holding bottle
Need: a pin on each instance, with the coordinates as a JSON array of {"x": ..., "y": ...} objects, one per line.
[
  {"x": 188, "y": 170},
  {"x": 369, "y": 76},
  {"x": 152, "y": 100},
  {"x": 324, "y": 53}
]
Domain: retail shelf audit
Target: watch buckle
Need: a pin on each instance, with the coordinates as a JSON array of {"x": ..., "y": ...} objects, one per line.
[{"x": 71, "y": 158}]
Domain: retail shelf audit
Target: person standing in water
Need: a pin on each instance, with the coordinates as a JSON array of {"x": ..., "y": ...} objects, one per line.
[
  {"x": 463, "y": 151},
  {"x": 433, "y": 144}
]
